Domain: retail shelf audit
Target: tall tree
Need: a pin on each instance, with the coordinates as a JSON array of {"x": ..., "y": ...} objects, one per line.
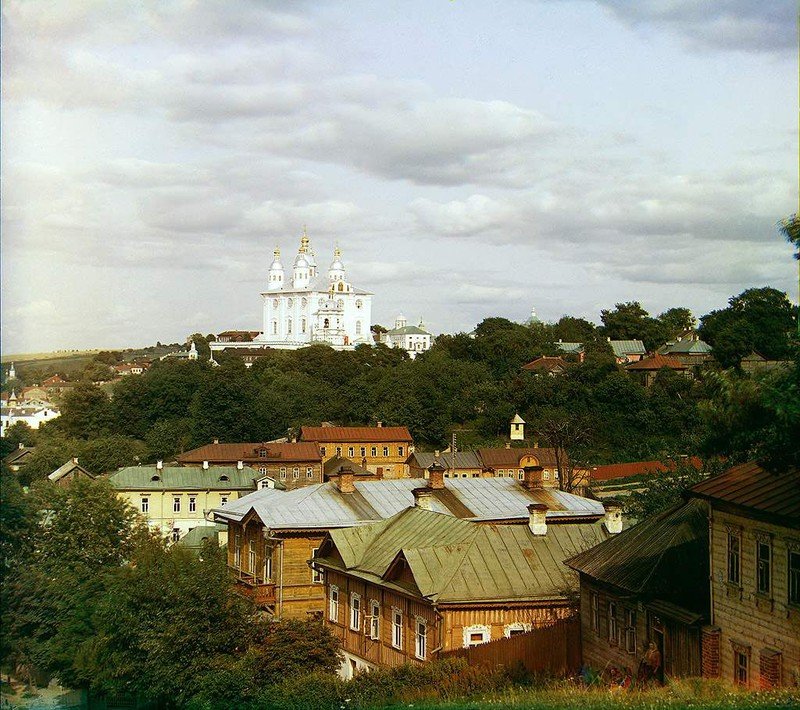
[{"x": 790, "y": 228}]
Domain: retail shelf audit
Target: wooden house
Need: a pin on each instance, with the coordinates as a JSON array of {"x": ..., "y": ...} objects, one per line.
[
  {"x": 647, "y": 369},
  {"x": 647, "y": 584},
  {"x": 753, "y": 637},
  {"x": 423, "y": 583},
  {"x": 273, "y": 533},
  {"x": 67, "y": 473},
  {"x": 462, "y": 464}
]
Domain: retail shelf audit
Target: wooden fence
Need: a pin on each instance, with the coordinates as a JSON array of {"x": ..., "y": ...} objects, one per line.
[{"x": 554, "y": 649}]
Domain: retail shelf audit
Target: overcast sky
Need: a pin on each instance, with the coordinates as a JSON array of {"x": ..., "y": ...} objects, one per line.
[{"x": 471, "y": 158}]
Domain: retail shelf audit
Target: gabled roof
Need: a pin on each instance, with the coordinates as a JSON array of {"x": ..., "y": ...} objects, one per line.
[
  {"x": 173, "y": 478},
  {"x": 355, "y": 434},
  {"x": 407, "y": 330},
  {"x": 324, "y": 506},
  {"x": 546, "y": 364},
  {"x": 464, "y": 459},
  {"x": 623, "y": 348},
  {"x": 16, "y": 456},
  {"x": 749, "y": 487},
  {"x": 251, "y": 452},
  {"x": 332, "y": 467},
  {"x": 69, "y": 467},
  {"x": 636, "y": 468},
  {"x": 510, "y": 458},
  {"x": 664, "y": 557},
  {"x": 208, "y": 532},
  {"x": 687, "y": 347},
  {"x": 455, "y": 561},
  {"x": 572, "y": 348},
  {"x": 656, "y": 362}
]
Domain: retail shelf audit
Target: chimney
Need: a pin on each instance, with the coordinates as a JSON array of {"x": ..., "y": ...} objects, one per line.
[
  {"x": 435, "y": 476},
  {"x": 240, "y": 465},
  {"x": 379, "y": 425},
  {"x": 422, "y": 498},
  {"x": 216, "y": 441},
  {"x": 508, "y": 444},
  {"x": 436, "y": 454},
  {"x": 613, "y": 517},
  {"x": 533, "y": 478},
  {"x": 535, "y": 442},
  {"x": 159, "y": 464},
  {"x": 74, "y": 459},
  {"x": 537, "y": 518},
  {"x": 205, "y": 464},
  {"x": 20, "y": 445},
  {"x": 346, "y": 480}
]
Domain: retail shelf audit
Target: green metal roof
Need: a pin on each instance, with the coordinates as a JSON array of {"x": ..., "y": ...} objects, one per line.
[
  {"x": 173, "y": 478},
  {"x": 408, "y": 330},
  {"x": 196, "y": 536},
  {"x": 453, "y": 560}
]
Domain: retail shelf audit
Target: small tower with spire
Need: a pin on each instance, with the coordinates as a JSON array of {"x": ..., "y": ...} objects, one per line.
[
  {"x": 12, "y": 373},
  {"x": 275, "y": 277},
  {"x": 302, "y": 271},
  {"x": 336, "y": 270}
]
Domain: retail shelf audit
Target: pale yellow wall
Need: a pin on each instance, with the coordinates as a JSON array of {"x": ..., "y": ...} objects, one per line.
[
  {"x": 741, "y": 613},
  {"x": 161, "y": 516},
  {"x": 393, "y": 465}
]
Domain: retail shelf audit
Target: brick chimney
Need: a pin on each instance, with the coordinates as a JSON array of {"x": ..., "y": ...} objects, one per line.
[
  {"x": 532, "y": 480},
  {"x": 508, "y": 444},
  {"x": 75, "y": 459},
  {"x": 216, "y": 441},
  {"x": 537, "y": 520},
  {"x": 346, "y": 481},
  {"x": 379, "y": 424},
  {"x": 159, "y": 464},
  {"x": 422, "y": 497},
  {"x": 205, "y": 465},
  {"x": 240, "y": 465},
  {"x": 613, "y": 517},
  {"x": 435, "y": 476}
]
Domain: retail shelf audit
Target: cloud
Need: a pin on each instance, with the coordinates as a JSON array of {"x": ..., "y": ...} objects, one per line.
[{"x": 741, "y": 25}]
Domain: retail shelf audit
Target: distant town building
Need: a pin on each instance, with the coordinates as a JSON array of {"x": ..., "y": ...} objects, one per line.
[
  {"x": 648, "y": 368},
  {"x": 517, "y": 428},
  {"x": 68, "y": 472},
  {"x": 688, "y": 349},
  {"x": 413, "y": 339},
  {"x": 546, "y": 366},
  {"x": 461, "y": 464},
  {"x": 20, "y": 457},
  {"x": 34, "y": 414},
  {"x": 302, "y": 306},
  {"x": 625, "y": 351}
]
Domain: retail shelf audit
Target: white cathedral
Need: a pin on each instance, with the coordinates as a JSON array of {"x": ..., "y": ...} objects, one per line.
[{"x": 302, "y": 306}]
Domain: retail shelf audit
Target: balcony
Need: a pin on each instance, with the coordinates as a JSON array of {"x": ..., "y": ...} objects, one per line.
[{"x": 258, "y": 590}]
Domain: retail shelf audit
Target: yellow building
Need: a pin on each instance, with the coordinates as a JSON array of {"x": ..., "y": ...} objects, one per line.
[
  {"x": 380, "y": 449},
  {"x": 176, "y": 499}
]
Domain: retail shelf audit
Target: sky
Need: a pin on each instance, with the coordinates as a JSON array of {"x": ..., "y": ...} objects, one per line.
[{"x": 471, "y": 158}]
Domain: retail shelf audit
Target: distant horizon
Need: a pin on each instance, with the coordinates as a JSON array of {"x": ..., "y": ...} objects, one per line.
[{"x": 470, "y": 162}]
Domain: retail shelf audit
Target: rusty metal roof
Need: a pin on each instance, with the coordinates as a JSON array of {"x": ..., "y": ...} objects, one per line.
[
  {"x": 664, "y": 557},
  {"x": 251, "y": 452},
  {"x": 751, "y": 487},
  {"x": 356, "y": 434}
]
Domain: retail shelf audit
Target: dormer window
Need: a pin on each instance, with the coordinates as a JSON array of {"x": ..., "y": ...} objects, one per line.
[
  {"x": 156, "y": 477},
  {"x": 223, "y": 477},
  {"x": 263, "y": 453}
]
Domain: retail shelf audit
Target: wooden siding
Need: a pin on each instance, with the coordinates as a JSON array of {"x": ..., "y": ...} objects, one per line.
[
  {"x": 756, "y": 622},
  {"x": 554, "y": 648},
  {"x": 680, "y": 648}
]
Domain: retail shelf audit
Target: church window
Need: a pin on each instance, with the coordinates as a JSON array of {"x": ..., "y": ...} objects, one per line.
[
  {"x": 358, "y": 327},
  {"x": 274, "y": 302},
  {"x": 303, "y": 325},
  {"x": 289, "y": 326},
  {"x": 340, "y": 303},
  {"x": 290, "y": 302},
  {"x": 327, "y": 323},
  {"x": 341, "y": 286},
  {"x": 274, "y": 327},
  {"x": 304, "y": 302},
  {"x": 359, "y": 303},
  {"x": 321, "y": 301}
]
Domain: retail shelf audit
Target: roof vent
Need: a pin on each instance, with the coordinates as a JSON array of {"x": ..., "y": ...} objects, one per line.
[{"x": 613, "y": 517}]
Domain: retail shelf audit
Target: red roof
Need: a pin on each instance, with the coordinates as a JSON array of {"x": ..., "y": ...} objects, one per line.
[
  {"x": 751, "y": 487},
  {"x": 251, "y": 452},
  {"x": 509, "y": 458},
  {"x": 356, "y": 434},
  {"x": 656, "y": 362},
  {"x": 548, "y": 364},
  {"x": 635, "y": 468}
]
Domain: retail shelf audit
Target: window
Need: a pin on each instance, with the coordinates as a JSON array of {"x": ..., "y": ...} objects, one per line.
[
  {"x": 734, "y": 557},
  {"x": 176, "y": 504},
  {"x": 192, "y": 504},
  {"x": 274, "y": 327},
  {"x": 322, "y": 450},
  {"x": 502, "y": 473},
  {"x": 520, "y": 475},
  {"x": 546, "y": 475},
  {"x": 176, "y": 534},
  {"x": 613, "y": 631},
  {"x": 251, "y": 558},
  {"x": 385, "y": 450},
  {"x": 223, "y": 500},
  {"x": 555, "y": 475},
  {"x": 289, "y": 326},
  {"x": 290, "y": 302},
  {"x": 351, "y": 451},
  {"x": 400, "y": 450},
  {"x": 764, "y": 566},
  {"x": 741, "y": 665},
  {"x": 363, "y": 451},
  {"x": 397, "y": 628},
  {"x": 282, "y": 473},
  {"x": 359, "y": 303},
  {"x": 475, "y": 635},
  {"x": 316, "y": 573},
  {"x": 374, "y": 451},
  {"x": 515, "y": 629},
  {"x": 630, "y": 631},
  {"x": 420, "y": 647},
  {"x": 595, "y": 602},
  {"x": 145, "y": 505},
  {"x": 333, "y": 604},
  {"x": 303, "y": 325},
  {"x": 794, "y": 576},
  {"x": 355, "y": 612},
  {"x": 358, "y": 327},
  {"x": 296, "y": 472},
  {"x": 338, "y": 450},
  {"x": 262, "y": 470},
  {"x": 264, "y": 484},
  {"x": 267, "y": 563},
  {"x": 237, "y": 551},
  {"x": 374, "y": 620},
  {"x": 263, "y": 453},
  {"x": 309, "y": 472}
]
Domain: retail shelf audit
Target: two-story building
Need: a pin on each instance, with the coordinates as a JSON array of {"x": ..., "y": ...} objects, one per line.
[
  {"x": 510, "y": 462},
  {"x": 176, "y": 499},
  {"x": 461, "y": 464},
  {"x": 753, "y": 637},
  {"x": 273, "y": 533},
  {"x": 421, "y": 582},
  {"x": 293, "y": 465},
  {"x": 381, "y": 449}
]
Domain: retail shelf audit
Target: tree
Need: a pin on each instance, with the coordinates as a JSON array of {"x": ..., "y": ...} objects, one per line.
[
  {"x": 85, "y": 411},
  {"x": 573, "y": 330},
  {"x": 568, "y": 434},
  {"x": 629, "y": 321},
  {"x": 758, "y": 319},
  {"x": 201, "y": 344},
  {"x": 790, "y": 228},
  {"x": 675, "y": 321}
]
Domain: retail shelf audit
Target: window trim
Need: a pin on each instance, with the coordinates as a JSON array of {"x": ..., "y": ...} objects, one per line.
[
  {"x": 317, "y": 575},
  {"x": 144, "y": 505},
  {"x": 355, "y": 611},
  {"x": 420, "y": 639},
  {"x": 176, "y": 504},
  {"x": 764, "y": 567},
  {"x": 397, "y": 628},
  {"x": 333, "y": 603},
  {"x": 793, "y": 581},
  {"x": 594, "y": 604},
  {"x": 374, "y": 619},
  {"x": 613, "y": 624},
  {"x": 734, "y": 559},
  {"x": 485, "y": 631},
  {"x": 192, "y": 504}
]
